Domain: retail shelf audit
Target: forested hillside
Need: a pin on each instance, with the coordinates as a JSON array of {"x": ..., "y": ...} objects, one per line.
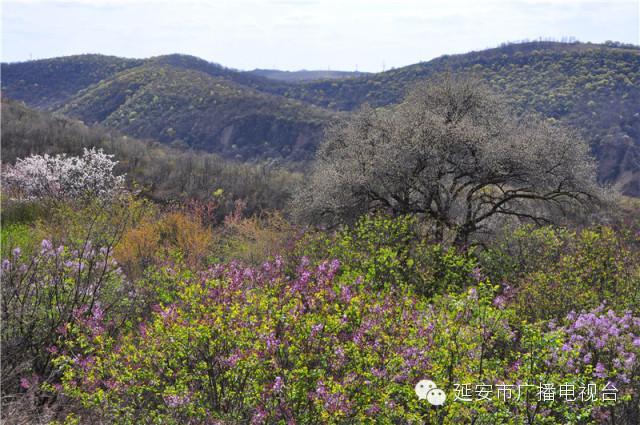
[
  {"x": 156, "y": 171},
  {"x": 182, "y": 99},
  {"x": 49, "y": 83},
  {"x": 172, "y": 104},
  {"x": 174, "y": 99},
  {"x": 595, "y": 88}
]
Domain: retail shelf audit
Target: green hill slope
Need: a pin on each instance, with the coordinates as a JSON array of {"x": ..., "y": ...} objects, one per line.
[
  {"x": 162, "y": 173},
  {"x": 190, "y": 107},
  {"x": 249, "y": 79},
  {"x": 174, "y": 99},
  {"x": 48, "y": 83}
]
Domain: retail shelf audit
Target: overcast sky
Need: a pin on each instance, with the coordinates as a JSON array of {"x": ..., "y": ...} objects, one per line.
[{"x": 302, "y": 34}]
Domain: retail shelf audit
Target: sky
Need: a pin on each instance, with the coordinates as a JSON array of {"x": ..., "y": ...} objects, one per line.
[{"x": 367, "y": 35}]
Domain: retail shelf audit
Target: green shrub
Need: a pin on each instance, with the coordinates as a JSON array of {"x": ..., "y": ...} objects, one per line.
[
  {"x": 391, "y": 251},
  {"x": 245, "y": 345},
  {"x": 549, "y": 272}
]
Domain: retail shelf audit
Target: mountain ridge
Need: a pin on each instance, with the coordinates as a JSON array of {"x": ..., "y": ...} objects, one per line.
[{"x": 592, "y": 87}]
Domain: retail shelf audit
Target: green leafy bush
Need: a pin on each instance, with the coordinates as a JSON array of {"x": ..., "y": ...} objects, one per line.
[
  {"x": 547, "y": 272},
  {"x": 254, "y": 345},
  {"x": 391, "y": 251}
]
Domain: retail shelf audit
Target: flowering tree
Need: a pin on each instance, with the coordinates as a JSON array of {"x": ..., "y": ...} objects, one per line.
[
  {"x": 451, "y": 152},
  {"x": 63, "y": 177}
]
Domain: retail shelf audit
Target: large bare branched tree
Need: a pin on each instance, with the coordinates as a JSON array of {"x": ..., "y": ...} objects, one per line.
[{"x": 454, "y": 152}]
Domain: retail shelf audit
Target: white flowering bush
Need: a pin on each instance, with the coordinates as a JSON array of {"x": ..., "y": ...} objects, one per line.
[{"x": 64, "y": 177}]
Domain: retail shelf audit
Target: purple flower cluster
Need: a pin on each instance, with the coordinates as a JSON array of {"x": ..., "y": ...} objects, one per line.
[
  {"x": 333, "y": 402},
  {"x": 301, "y": 335},
  {"x": 53, "y": 285},
  {"x": 92, "y": 320},
  {"x": 174, "y": 401},
  {"x": 605, "y": 341}
]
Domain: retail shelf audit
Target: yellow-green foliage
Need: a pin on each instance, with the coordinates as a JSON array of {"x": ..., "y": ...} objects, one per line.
[
  {"x": 336, "y": 330},
  {"x": 392, "y": 251},
  {"x": 550, "y": 272}
]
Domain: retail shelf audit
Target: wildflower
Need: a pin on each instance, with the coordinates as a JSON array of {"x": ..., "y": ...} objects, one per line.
[
  {"x": 98, "y": 313},
  {"x": 473, "y": 294},
  {"x": 174, "y": 401},
  {"x": 346, "y": 294},
  {"x": 476, "y": 274},
  {"x": 259, "y": 417},
  {"x": 232, "y": 360},
  {"x": 378, "y": 373},
  {"x": 315, "y": 329},
  {"x": 46, "y": 245},
  {"x": 499, "y": 301},
  {"x": 25, "y": 383},
  {"x": 278, "y": 384},
  {"x": 272, "y": 342}
]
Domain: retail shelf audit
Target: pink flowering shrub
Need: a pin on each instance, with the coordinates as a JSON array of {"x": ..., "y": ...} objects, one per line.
[
  {"x": 251, "y": 345},
  {"x": 61, "y": 177},
  {"x": 605, "y": 346},
  {"x": 41, "y": 294},
  {"x": 235, "y": 344}
]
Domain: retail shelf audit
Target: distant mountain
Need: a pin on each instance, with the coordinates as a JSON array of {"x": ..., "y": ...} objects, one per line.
[
  {"x": 305, "y": 76},
  {"x": 193, "y": 108},
  {"x": 263, "y": 113},
  {"x": 48, "y": 83},
  {"x": 178, "y": 99},
  {"x": 246, "y": 78}
]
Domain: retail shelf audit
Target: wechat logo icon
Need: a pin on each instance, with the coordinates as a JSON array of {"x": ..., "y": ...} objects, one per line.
[{"x": 426, "y": 389}]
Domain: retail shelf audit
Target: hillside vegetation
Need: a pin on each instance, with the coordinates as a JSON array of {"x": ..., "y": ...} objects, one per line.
[
  {"x": 210, "y": 113},
  {"x": 595, "y": 88},
  {"x": 157, "y": 171},
  {"x": 177, "y": 98},
  {"x": 49, "y": 83},
  {"x": 446, "y": 237},
  {"x": 174, "y": 99}
]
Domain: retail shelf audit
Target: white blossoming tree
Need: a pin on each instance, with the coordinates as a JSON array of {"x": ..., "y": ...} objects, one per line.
[{"x": 64, "y": 177}]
